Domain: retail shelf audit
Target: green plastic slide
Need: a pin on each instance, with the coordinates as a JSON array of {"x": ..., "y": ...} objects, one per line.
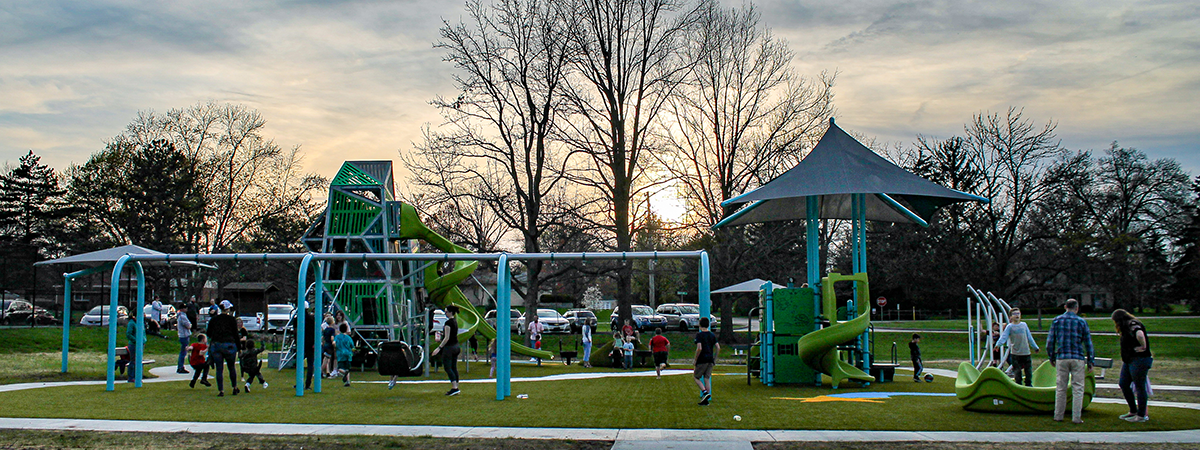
[
  {"x": 819, "y": 348},
  {"x": 993, "y": 391},
  {"x": 443, "y": 289}
]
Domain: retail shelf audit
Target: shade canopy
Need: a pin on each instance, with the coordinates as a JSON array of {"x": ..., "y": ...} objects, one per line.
[
  {"x": 746, "y": 286},
  {"x": 837, "y": 168},
  {"x": 110, "y": 255}
]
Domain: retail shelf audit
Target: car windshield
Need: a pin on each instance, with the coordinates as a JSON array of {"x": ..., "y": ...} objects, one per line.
[
  {"x": 515, "y": 314},
  {"x": 688, "y": 309},
  {"x": 550, "y": 313},
  {"x": 642, "y": 311},
  {"x": 96, "y": 311},
  {"x": 584, "y": 314},
  {"x": 279, "y": 309}
]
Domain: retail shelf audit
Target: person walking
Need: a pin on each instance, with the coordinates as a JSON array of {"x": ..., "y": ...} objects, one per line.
[
  {"x": 660, "y": 347},
  {"x": 344, "y": 348},
  {"x": 449, "y": 348},
  {"x": 586, "y": 331},
  {"x": 1069, "y": 347},
  {"x": 1018, "y": 338},
  {"x": 156, "y": 309},
  {"x": 184, "y": 327},
  {"x": 1136, "y": 361},
  {"x": 707, "y": 349},
  {"x": 223, "y": 337}
]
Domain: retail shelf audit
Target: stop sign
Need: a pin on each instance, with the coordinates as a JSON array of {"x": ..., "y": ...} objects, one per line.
[{"x": 881, "y": 302}]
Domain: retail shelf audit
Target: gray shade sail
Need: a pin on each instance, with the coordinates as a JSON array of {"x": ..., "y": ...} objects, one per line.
[
  {"x": 745, "y": 286},
  {"x": 109, "y": 255},
  {"x": 837, "y": 168}
]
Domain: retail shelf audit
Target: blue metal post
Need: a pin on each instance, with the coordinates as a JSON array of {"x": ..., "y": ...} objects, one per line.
[
  {"x": 768, "y": 337},
  {"x": 705, "y": 299},
  {"x": 318, "y": 314},
  {"x": 503, "y": 333},
  {"x": 141, "y": 325},
  {"x": 812, "y": 245},
  {"x": 114, "y": 291},
  {"x": 66, "y": 333},
  {"x": 301, "y": 288}
]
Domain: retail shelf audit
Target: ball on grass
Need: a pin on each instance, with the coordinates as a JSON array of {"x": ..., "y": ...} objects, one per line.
[
  {"x": 737, "y": 418},
  {"x": 928, "y": 378}
]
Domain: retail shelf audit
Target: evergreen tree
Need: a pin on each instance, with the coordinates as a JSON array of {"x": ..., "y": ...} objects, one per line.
[
  {"x": 1187, "y": 269},
  {"x": 32, "y": 211}
]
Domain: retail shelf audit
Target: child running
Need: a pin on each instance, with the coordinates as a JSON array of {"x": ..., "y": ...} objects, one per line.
[
  {"x": 197, "y": 352},
  {"x": 661, "y": 348},
  {"x": 706, "y": 350},
  {"x": 345, "y": 350},
  {"x": 251, "y": 366}
]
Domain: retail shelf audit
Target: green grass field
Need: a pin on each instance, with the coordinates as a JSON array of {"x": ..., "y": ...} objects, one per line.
[{"x": 1097, "y": 324}]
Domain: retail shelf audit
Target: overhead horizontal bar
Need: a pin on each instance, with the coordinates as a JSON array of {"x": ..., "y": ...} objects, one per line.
[{"x": 249, "y": 257}]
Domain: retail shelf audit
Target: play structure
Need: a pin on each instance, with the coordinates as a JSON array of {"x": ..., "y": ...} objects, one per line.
[
  {"x": 381, "y": 298},
  {"x": 982, "y": 384},
  {"x": 803, "y": 333}
]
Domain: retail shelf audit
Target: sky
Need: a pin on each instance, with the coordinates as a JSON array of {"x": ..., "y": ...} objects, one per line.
[{"x": 353, "y": 79}]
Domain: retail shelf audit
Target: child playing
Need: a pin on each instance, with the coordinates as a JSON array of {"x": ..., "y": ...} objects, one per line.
[
  {"x": 707, "y": 350},
  {"x": 661, "y": 348},
  {"x": 197, "y": 352},
  {"x": 537, "y": 345},
  {"x": 914, "y": 352},
  {"x": 628, "y": 351},
  {"x": 492, "y": 358},
  {"x": 345, "y": 350},
  {"x": 1019, "y": 340},
  {"x": 251, "y": 366}
]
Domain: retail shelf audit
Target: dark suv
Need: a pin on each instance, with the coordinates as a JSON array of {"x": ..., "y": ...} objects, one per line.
[{"x": 578, "y": 317}]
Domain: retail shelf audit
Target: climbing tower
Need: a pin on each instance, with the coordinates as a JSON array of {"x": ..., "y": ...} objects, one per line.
[{"x": 362, "y": 216}]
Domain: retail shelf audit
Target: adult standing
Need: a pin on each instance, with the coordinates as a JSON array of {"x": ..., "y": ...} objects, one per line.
[
  {"x": 1069, "y": 347},
  {"x": 184, "y": 327},
  {"x": 1018, "y": 338},
  {"x": 156, "y": 309},
  {"x": 707, "y": 349},
  {"x": 223, "y": 339},
  {"x": 193, "y": 310},
  {"x": 1136, "y": 361},
  {"x": 449, "y": 348},
  {"x": 586, "y": 331}
]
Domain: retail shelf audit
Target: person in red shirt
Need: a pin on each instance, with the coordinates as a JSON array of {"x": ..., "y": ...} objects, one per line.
[
  {"x": 660, "y": 346},
  {"x": 196, "y": 357}
]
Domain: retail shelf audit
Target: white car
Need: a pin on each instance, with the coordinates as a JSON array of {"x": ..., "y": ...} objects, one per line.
[
  {"x": 98, "y": 316},
  {"x": 553, "y": 322},
  {"x": 516, "y": 321},
  {"x": 278, "y": 317},
  {"x": 253, "y": 323}
]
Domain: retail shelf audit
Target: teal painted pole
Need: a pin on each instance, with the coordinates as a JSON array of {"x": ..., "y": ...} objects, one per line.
[
  {"x": 301, "y": 288},
  {"x": 141, "y": 325},
  {"x": 503, "y": 333},
  {"x": 705, "y": 298},
  {"x": 768, "y": 338},
  {"x": 114, "y": 292},
  {"x": 66, "y": 334},
  {"x": 318, "y": 314}
]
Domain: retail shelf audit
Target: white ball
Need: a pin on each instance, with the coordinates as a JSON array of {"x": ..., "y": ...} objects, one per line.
[{"x": 737, "y": 418}]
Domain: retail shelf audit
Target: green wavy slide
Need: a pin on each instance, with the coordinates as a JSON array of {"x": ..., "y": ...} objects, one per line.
[
  {"x": 819, "y": 348},
  {"x": 443, "y": 289},
  {"x": 991, "y": 390}
]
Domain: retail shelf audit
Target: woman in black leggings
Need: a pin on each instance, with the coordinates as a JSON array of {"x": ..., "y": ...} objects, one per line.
[
  {"x": 223, "y": 334},
  {"x": 449, "y": 348}
]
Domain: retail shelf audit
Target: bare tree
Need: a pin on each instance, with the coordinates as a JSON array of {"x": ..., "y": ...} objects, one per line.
[
  {"x": 744, "y": 115},
  {"x": 629, "y": 62},
  {"x": 495, "y": 147},
  {"x": 246, "y": 177}
]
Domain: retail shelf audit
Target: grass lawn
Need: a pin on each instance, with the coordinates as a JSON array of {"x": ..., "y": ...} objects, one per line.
[
  {"x": 631, "y": 402},
  {"x": 1097, "y": 324}
]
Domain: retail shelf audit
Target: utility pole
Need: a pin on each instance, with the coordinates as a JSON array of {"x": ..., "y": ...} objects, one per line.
[{"x": 652, "y": 285}]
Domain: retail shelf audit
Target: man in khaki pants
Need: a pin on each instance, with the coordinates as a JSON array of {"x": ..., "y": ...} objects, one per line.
[{"x": 1070, "y": 349}]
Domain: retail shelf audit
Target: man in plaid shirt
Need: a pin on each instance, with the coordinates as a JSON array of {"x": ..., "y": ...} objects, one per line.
[{"x": 1070, "y": 349}]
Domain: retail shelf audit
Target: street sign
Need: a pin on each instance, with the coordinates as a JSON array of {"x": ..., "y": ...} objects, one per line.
[{"x": 881, "y": 302}]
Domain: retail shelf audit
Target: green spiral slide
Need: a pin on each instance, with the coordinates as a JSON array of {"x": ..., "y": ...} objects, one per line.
[
  {"x": 991, "y": 390},
  {"x": 443, "y": 289},
  {"x": 819, "y": 348}
]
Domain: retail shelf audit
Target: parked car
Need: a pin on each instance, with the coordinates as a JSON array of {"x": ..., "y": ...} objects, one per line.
[
  {"x": 683, "y": 316},
  {"x": 278, "y": 317},
  {"x": 578, "y": 317},
  {"x": 13, "y": 312},
  {"x": 553, "y": 322},
  {"x": 202, "y": 318},
  {"x": 516, "y": 320},
  {"x": 98, "y": 316},
  {"x": 253, "y": 322},
  {"x": 439, "y": 321},
  {"x": 168, "y": 315},
  {"x": 644, "y": 319}
]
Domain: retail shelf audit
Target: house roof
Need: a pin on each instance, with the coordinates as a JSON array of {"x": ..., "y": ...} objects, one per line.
[{"x": 251, "y": 286}]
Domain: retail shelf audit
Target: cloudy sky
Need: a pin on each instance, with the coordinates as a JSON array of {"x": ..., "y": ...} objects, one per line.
[{"x": 352, "y": 80}]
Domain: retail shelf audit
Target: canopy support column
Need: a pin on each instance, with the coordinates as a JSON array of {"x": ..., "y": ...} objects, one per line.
[{"x": 66, "y": 334}]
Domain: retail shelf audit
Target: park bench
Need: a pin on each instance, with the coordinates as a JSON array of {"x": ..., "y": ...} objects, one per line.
[{"x": 1103, "y": 364}]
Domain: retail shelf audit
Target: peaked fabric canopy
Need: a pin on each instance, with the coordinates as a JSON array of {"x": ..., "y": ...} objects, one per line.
[
  {"x": 746, "y": 286},
  {"x": 109, "y": 255},
  {"x": 838, "y": 167}
]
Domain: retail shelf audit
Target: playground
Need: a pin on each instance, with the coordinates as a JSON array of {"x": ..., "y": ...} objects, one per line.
[{"x": 816, "y": 361}]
